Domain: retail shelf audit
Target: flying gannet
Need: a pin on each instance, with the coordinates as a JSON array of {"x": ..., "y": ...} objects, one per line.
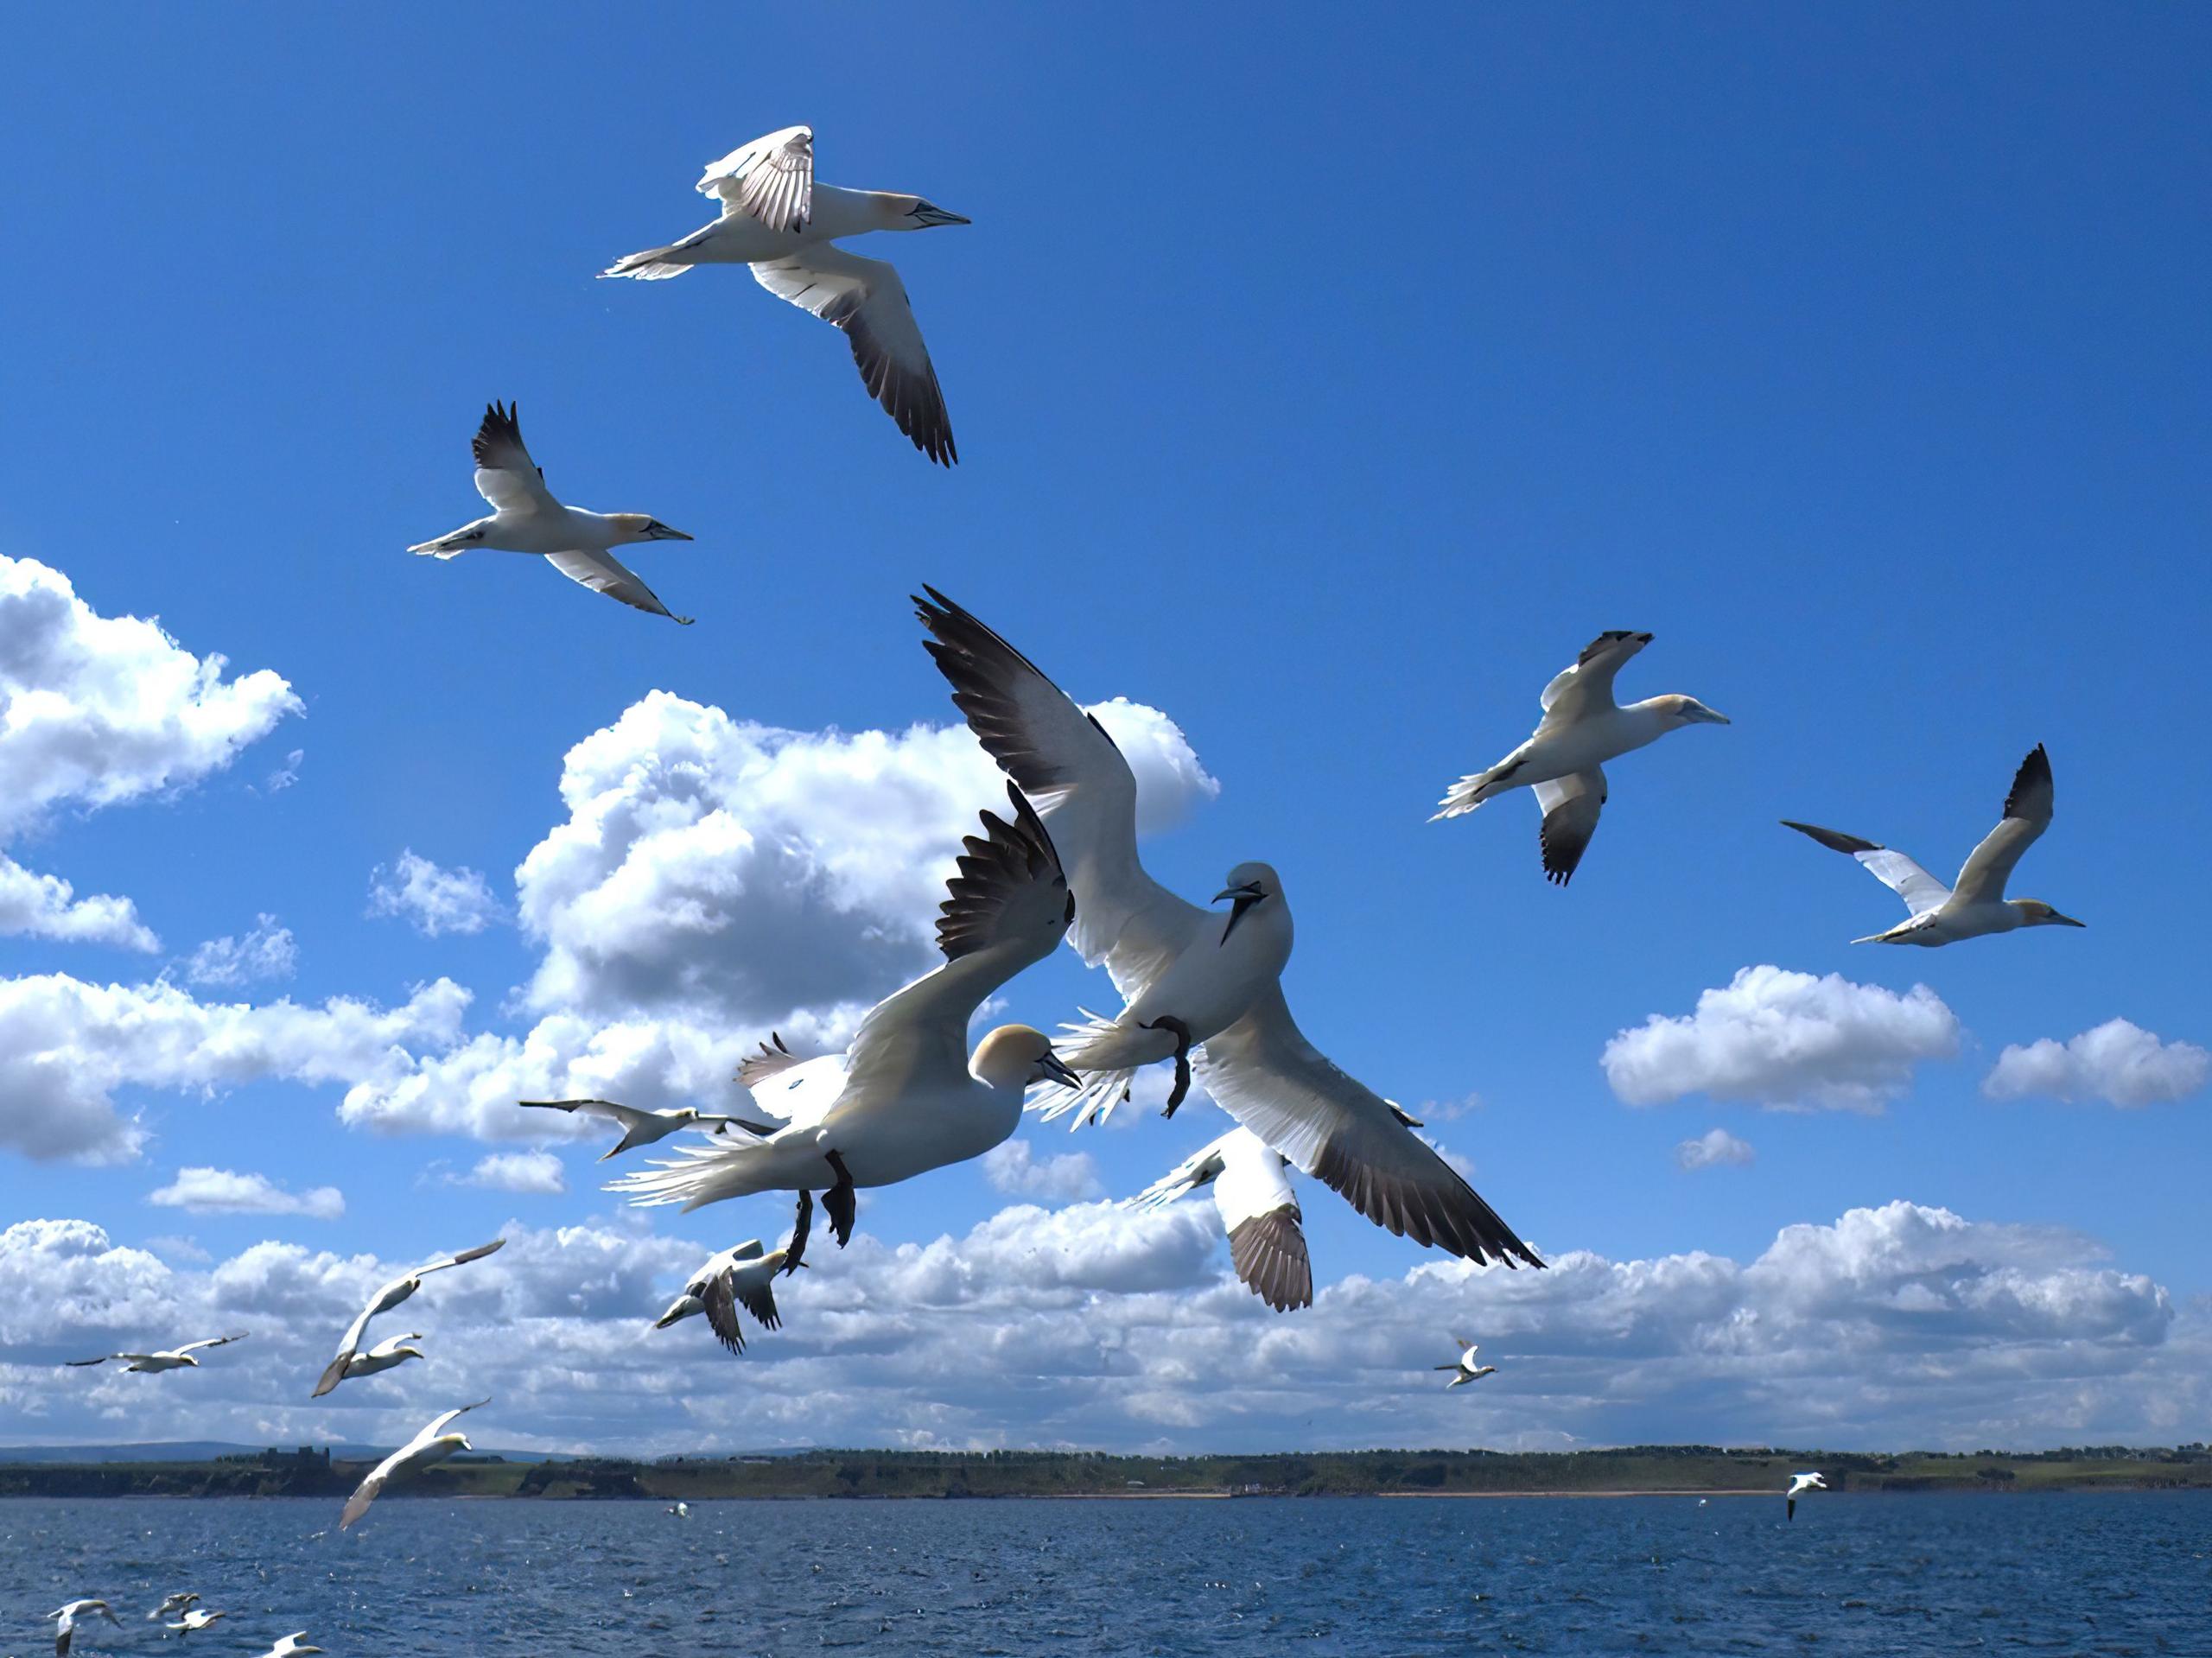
[
  {"x": 290, "y": 1646},
  {"x": 907, "y": 1097},
  {"x": 1581, "y": 729},
  {"x": 194, "y": 1621},
  {"x": 776, "y": 219},
  {"x": 640, "y": 1127},
  {"x": 1267, "y": 1243},
  {"x": 170, "y": 1606},
  {"x": 383, "y": 1301},
  {"x": 65, "y": 1622},
  {"x": 1187, "y": 977},
  {"x": 525, "y": 519},
  {"x": 1799, "y": 1483},
  {"x": 742, "y": 1276},
  {"x": 387, "y": 1354},
  {"x": 1943, "y": 915},
  {"x": 432, "y": 1444},
  {"x": 1464, "y": 1368},
  {"x": 175, "y": 1358}
]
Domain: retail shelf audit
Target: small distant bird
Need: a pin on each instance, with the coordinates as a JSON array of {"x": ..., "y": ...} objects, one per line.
[
  {"x": 640, "y": 1126},
  {"x": 194, "y": 1621},
  {"x": 1799, "y": 1483},
  {"x": 66, "y": 1619},
  {"x": 742, "y": 1276},
  {"x": 175, "y": 1358},
  {"x": 383, "y": 1301},
  {"x": 290, "y": 1646},
  {"x": 776, "y": 219},
  {"x": 1464, "y": 1368},
  {"x": 1267, "y": 1241},
  {"x": 1700, "y": 1502},
  {"x": 170, "y": 1606},
  {"x": 387, "y": 1354},
  {"x": 682, "y": 1510},
  {"x": 1943, "y": 915},
  {"x": 1581, "y": 729},
  {"x": 432, "y": 1444},
  {"x": 525, "y": 519}
]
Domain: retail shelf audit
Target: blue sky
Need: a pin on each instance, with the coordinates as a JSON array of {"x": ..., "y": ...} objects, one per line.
[{"x": 1325, "y": 391}]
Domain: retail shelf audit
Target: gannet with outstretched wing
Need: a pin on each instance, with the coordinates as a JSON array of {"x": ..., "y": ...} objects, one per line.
[
  {"x": 1267, "y": 1243},
  {"x": 776, "y": 219},
  {"x": 291, "y": 1646},
  {"x": 1190, "y": 978},
  {"x": 170, "y": 1606},
  {"x": 433, "y": 1444},
  {"x": 1943, "y": 915},
  {"x": 526, "y": 518},
  {"x": 194, "y": 1621},
  {"x": 1581, "y": 729},
  {"x": 1800, "y": 1483},
  {"x": 387, "y": 1354},
  {"x": 740, "y": 1277},
  {"x": 173, "y": 1358},
  {"x": 640, "y": 1126},
  {"x": 908, "y": 1097},
  {"x": 1464, "y": 1368},
  {"x": 383, "y": 1301},
  {"x": 65, "y": 1622}
]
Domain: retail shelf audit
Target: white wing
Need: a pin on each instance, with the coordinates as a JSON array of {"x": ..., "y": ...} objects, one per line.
[
  {"x": 1570, "y": 806},
  {"x": 604, "y": 573},
  {"x": 463, "y": 1258},
  {"x": 802, "y": 1094},
  {"x": 1921, "y": 891},
  {"x": 1263, "y": 1072},
  {"x": 2027, "y": 815},
  {"x": 1200, "y": 1168},
  {"x": 1259, "y": 1211},
  {"x": 867, "y": 300},
  {"x": 505, "y": 475},
  {"x": 1585, "y": 689},
  {"x": 368, "y": 1491},
  {"x": 1066, "y": 762},
  {"x": 771, "y": 179},
  {"x": 215, "y": 1341},
  {"x": 439, "y": 1424},
  {"x": 628, "y": 1116}
]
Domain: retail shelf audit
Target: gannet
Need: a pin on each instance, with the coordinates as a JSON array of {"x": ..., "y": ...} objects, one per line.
[
  {"x": 1258, "y": 1209},
  {"x": 907, "y": 1097},
  {"x": 1581, "y": 729},
  {"x": 432, "y": 1444},
  {"x": 640, "y": 1127},
  {"x": 776, "y": 219},
  {"x": 171, "y": 1604},
  {"x": 290, "y": 1646},
  {"x": 194, "y": 1621},
  {"x": 383, "y": 1301},
  {"x": 742, "y": 1276},
  {"x": 1464, "y": 1368},
  {"x": 525, "y": 519},
  {"x": 64, "y": 1621},
  {"x": 387, "y": 1354},
  {"x": 1943, "y": 915},
  {"x": 1802, "y": 1483},
  {"x": 682, "y": 1510},
  {"x": 1190, "y": 977},
  {"x": 173, "y": 1358}
]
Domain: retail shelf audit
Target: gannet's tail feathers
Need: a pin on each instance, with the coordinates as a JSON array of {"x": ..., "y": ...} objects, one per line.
[
  {"x": 1471, "y": 790},
  {"x": 707, "y": 1174},
  {"x": 449, "y": 546},
  {"x": 652, "y": 264},
  {"x": 1094, "y": 1046}
]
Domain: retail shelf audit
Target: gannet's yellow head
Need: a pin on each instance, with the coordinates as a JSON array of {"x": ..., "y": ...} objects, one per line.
[
  {"x": 2034, "y": 912},
  {"x": 638, "y": 526},
  {"x": 913, "y": 213},
  {"x": 1688, "y": 711},
  {"x": 1014, "y": 1056}
]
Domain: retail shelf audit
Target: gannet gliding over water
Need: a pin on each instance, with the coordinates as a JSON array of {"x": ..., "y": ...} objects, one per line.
[
  {"x": 525, "y": 519},
  {"x": 64, "y": 1621},
  {"x": 1464, "y": 1368},
  {"x": 907, "y": 1097},
  {"x": 1943, "y": 915},
  {"x": 290, "y": 1646},
  {"x": 383, "y": 1301},
  {"x": 1581, "y": 729},
  {"x": 742, "y": 1276},
  {"x": 175, "y": 1358},
  {"x": 640, "y": 1127},
  {"x": 433, "y": 1444},
  {"x": 1267, "y": 1243},
  {"x": 195, "y": 1621},
  {"x": 1187, "y": 975},
  {"x": 776, "y": 219},
  {"x": 170, "y": 1605},
  {"x": 1802, "y": 1483}
]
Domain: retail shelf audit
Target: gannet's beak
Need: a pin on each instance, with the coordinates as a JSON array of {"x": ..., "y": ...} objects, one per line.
[
  {"x": 1245, "y": 896},
  {"x": 1057, "y": 1070},
  {"x": 1709, "y": 717},
  {"x": 2066, "y": 920},
  {"x": 658, "y": 532},
  {"x": 929, "y": 216}
]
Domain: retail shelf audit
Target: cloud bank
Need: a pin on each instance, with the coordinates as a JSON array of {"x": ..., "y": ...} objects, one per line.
[{"x": 2116, "y": 1064}]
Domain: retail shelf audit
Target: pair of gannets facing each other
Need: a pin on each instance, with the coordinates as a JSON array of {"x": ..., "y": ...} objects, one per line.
[
  {"x": 907, "y": 1097},
  {"x": 526, "y": 518},
  {"x": 1258, "y": 1209},
  {"x": 390, "y": 1296},
  {"x": 1944, "y": 915},
  {"x": 64, "y": 1621},
  {"x": 640, "y": 1127},
  {"x": 776, "y": 219},
  {"x": 173, "y": 1358},
  {"x": 1583, "y": 726},
  {"x": 432, "y": 1444},
  {"x": 1190, "y": 979},
  {"x": 1464, "y": 1368},
  {"x": 740, "y": 1277},
  {"x": 1801, "y": 1483}
]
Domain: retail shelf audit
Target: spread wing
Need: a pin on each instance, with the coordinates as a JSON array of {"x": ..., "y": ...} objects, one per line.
[
  {"x": 770, "y": 1061},
  {"x": 759, "y": 1300},
  {"x": 214, "y": 1340},
  {"x": 1921, "y": 891},
  {"x": 367, "y": 1491},
  {"x": 462, "y": 1259},
  {"x": 2027, "y": 815},
  {"x": 1263, "y": 1072},
  {"x": 1585, "y": 689},
  {"x": 628, "y": 1116},
  {"x": 127, "y": 1358},
  {"x": 505, "y": 475},
  {"x": 1199, "y": 1169},
  {"x": 604, "y": 573},
  {"x": 1571, "y": 805},
  {"x": 771, "y": 179},
  {"x": 1267, "y": 1240},
  {"x": 350, "y": 1342},
  {"x": 721, "y": 1311},
  {"x": 1084, "y": 788},
  {"x": 867, "y": 300}
]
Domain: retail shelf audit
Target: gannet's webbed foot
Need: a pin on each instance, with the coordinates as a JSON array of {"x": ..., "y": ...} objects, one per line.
[
  {"x": 839, "y": 1201},
  {"x": 804, "y": 1223},
  {"x": 1181, "y": 1032}
]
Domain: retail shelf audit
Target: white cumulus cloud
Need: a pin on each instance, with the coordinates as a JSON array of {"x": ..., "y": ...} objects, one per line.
[
  {"x": 225, "y": 1192},
  {"x": 2119, "y": 1062},
  {"x": 1713, "y": 1149},
  {"x": 431, "y": 898},
  {"x": 1067, "y": 1177},
  {"x": 1785, "y": 1040},
  {"x": 266, "y": 952},
  {"x": 538, "y": 1173},
  {"x": 47, "y": 906}
]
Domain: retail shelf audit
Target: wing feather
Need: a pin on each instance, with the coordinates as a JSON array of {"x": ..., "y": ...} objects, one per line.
[
  {"x": 604, "y": 573},
  {"x": 1570, "y": 806},
  {"x": 505, "y": 475},
  {"x": 2027, "y": 815},
  {"x": 865, "y": 298},
  {"x": 771, "y": 180},
  {"x": 1587, "y": 687},
  {"x": 1921, "y": 891}
]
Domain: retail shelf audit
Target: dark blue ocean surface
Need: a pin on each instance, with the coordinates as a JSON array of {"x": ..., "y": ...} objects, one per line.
[{"x": 1373, "y": 1576}]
